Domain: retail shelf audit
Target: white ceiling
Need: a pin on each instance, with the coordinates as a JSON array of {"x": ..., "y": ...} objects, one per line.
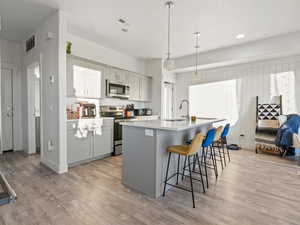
[
  {"x": 219, "y": 21},
  {"x": 20, "y": 17}
]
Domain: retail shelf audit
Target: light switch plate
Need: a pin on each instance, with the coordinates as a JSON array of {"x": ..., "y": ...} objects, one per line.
[
  {"x": 149, "y": 132},
  {"x": 52, "y": 79},
  {"x": 50, "y": 145}
]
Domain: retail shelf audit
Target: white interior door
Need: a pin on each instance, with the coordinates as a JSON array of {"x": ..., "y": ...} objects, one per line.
[
  {"x": 7, "y": 109},
  {"x": 33, "y": 106}
]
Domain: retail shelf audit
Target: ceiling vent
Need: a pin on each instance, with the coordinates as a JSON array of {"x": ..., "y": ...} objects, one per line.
[{"x": 30, "y": 43}]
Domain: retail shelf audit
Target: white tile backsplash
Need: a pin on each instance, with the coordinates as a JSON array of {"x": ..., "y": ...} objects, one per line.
[{"x": 108, "y": 101}]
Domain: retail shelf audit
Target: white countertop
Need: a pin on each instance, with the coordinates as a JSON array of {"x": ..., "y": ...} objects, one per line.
[
  {"x": 90, "y": 119},
  {"x": 171, "y": 125}
]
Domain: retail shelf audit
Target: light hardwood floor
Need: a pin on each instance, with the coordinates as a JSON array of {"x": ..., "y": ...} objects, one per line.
[{"x": 253, "y": 189}]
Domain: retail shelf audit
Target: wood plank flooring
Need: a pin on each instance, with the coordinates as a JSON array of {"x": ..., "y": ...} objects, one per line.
[{"x": 252, "y": 189}]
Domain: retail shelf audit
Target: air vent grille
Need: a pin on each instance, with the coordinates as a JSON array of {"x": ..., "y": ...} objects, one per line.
[{"x": 30, "y": 43}]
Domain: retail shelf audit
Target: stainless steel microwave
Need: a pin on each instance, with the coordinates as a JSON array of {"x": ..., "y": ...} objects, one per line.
[{"x": 117, "y": 90}]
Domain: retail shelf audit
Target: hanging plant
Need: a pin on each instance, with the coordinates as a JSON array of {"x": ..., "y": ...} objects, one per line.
[{"x": 69, "y": 47}]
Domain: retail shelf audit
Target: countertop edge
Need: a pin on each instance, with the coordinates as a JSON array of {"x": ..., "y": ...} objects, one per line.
[{"x": 131, "y": 124}]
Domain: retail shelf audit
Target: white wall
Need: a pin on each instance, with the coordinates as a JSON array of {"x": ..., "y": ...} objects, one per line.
[
  {"x": 0, "y": 96},
  {"x": 154, "y": 68},
  {"x": 11, "y": 58},
  {"x": 93, "y": 51},
  {"x": 253, "y": 80},
  {"x": 52, "y": 56}
]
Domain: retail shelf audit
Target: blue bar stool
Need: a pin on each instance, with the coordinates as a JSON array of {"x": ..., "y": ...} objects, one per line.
[
  {"x": 224, "y": 142},
  {"x": 207, "y": 143},
  {"x": 188, "y": 151}
]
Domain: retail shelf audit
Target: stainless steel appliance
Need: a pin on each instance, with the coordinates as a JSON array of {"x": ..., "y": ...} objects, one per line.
[
  {"x": 117, "y": 90},
  {"x": 138, "y": 112},
  {"x": 147, "y": 112},
  {"x": 118, "y": 113}
]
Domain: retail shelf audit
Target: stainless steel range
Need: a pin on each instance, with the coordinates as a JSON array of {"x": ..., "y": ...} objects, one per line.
[{"x": 118, "y": 113}]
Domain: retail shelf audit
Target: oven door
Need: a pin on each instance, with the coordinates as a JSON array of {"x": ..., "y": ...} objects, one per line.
[{"x": 117, "y": 138}]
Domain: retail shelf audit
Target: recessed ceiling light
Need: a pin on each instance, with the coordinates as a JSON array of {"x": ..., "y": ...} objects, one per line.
[{"x": 240, "y": 36}]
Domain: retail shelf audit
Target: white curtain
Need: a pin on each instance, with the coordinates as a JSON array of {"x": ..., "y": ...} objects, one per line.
[{"x": 284, "y": 84}]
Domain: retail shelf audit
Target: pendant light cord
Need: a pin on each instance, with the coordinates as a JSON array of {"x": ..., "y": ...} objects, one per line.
[
  {"x": 197, "y": 51},
  {"x": 169, "y": 4}
]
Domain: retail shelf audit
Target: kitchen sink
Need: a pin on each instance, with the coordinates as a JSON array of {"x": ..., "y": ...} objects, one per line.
[
  {"x": 175, "y": 120},
  {"x": 206, "y": 118}
]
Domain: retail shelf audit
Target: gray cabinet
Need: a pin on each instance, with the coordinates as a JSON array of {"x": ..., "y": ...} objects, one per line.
[
  {"x": 118, "y": 75},
  {"x": 140, "y": 88},
  {"x": 88, "y": 80},
  {"x": 89, "y": 148},
  {"x": 134, "y": 84},
  {"x": 78, "y": 149},
  {"x": 103, "y": 143},
  {"x": 145, "y": 88}
]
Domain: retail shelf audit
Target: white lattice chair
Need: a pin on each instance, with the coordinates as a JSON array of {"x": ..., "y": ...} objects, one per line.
[{"x": 296, "y": 137}]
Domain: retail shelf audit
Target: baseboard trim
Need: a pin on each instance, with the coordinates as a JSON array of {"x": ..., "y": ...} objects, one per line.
[{"x": 59, "y": 169}]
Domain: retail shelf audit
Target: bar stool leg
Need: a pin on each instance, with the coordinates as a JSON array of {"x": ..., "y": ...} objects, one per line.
[
  {"x": 194, "y": 163},
  {"x": 221, "y": 158},
  {"x": 224, "y": 156},
  {"x": 183, "y": 171},
  {"x": 191, "y": 181},
  {"x": 228, "y": 153},
  {"x": 164, "y": 193},
  {"x": 214, "y": 161},
  {"x": 205, "y": 166},
  {"x": 178, "y": 165},
  {"x": 227, "y": 149},
  {"x": 200, "y": 170}
]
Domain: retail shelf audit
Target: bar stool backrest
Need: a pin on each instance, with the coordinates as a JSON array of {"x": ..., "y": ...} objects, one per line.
[
  {"x": 196, "y": 144},
  {"x": 225, "y": 131},
  {"x": 218, "y": 133},
  {"x": 210, "y": 136}
]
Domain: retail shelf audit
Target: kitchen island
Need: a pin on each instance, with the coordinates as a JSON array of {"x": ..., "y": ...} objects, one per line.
[{"x": 145, "y": 151}]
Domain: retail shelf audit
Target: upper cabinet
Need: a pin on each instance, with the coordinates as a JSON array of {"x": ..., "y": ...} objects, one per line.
[
  {"x": 145, "y": 88},
  {"x": 88, "y": 80},
  {"x": 83, "y": 79},
  {"x": 119, "y": 76},
  {"x": 134, "y": 85},
  {"x": 140, "y": 88}
]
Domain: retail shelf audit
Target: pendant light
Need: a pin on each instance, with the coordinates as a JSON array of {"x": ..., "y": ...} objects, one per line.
[
  {"x": 169, "y": 63},
  {"x": 197, "y": 35}
]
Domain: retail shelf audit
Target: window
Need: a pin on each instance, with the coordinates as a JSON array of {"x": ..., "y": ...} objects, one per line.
[
  {"x": 284, "y": 84},
  {"x": 217, "y": 99}
]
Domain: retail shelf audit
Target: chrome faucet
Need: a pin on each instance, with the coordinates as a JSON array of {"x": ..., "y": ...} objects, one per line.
[{"x": 188, "y": 107}]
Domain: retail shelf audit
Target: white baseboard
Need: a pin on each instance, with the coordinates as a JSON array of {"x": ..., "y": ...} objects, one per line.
[{"x": 60, "y": 169}]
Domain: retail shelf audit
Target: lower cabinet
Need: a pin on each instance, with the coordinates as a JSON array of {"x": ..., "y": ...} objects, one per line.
[
  {"x": 94, "y": 146},
  {"x": 79, "y": 149},
  {"x": 103, "y": 144}
]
